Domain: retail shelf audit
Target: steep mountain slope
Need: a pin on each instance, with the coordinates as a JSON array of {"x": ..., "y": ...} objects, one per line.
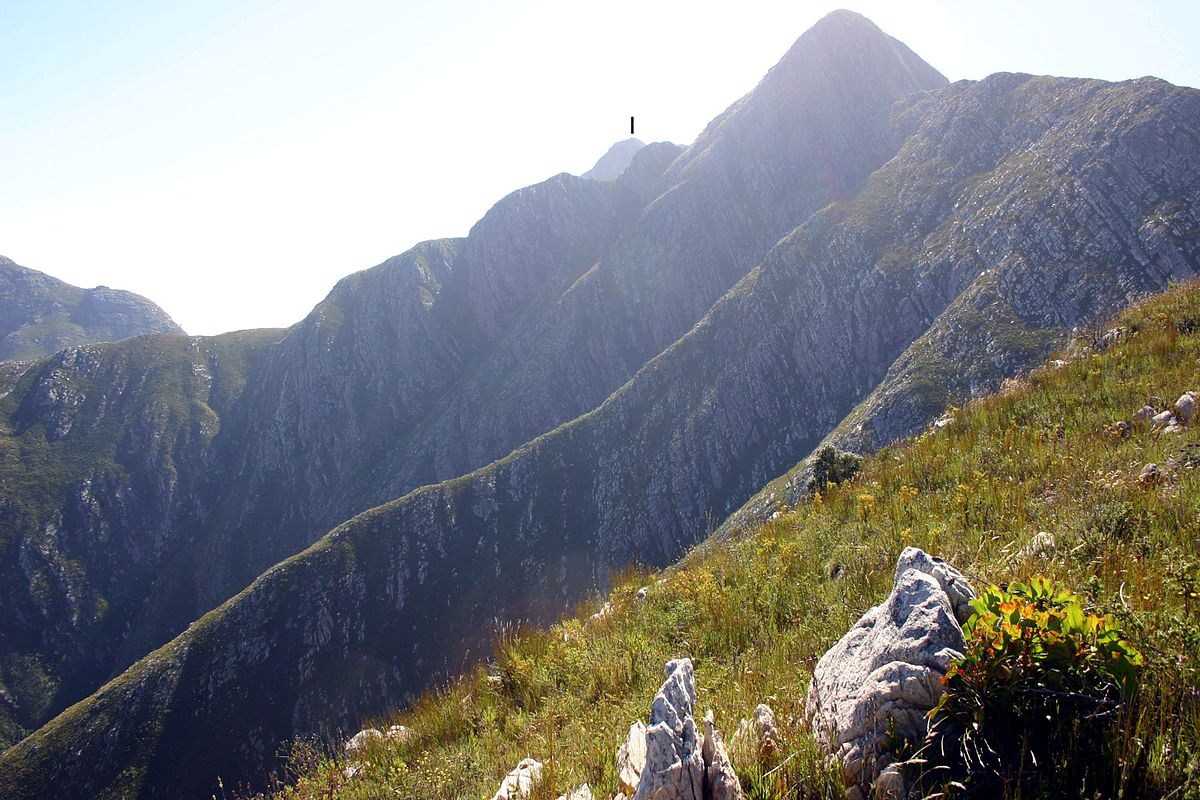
[
  {"x": 444, "y": 359},
  {"x": 1040, "y": 274},
  {"x": 615, "y": 160},
  {"x": 996, "y": 189},
  {"x": 95, "y": 484},
  {"x": 40, "y": 315},
  {"x": 755, "y": 613}
]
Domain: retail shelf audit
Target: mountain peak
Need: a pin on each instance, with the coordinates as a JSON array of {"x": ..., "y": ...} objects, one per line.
[
  {"x": 614, "y": 162},
  {"x": 847, "y": 41}
]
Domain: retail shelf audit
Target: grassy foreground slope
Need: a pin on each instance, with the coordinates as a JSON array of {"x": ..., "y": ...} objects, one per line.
[{"x": 756, "y": 612}]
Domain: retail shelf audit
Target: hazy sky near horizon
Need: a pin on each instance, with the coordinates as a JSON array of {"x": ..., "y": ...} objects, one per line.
[{"x": 232, "y": 159}]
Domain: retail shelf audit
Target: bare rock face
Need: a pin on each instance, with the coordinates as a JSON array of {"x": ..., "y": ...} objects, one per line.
[
  {"x": 520, "y": 782},
  {"x": 631, "y": 758},
  {"x": 615, "y": 161},
  {"x": 884, "y": 675}
]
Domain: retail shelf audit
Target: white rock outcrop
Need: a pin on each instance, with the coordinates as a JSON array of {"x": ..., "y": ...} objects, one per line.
[
  {"x": 1145, "y": 414},
  {"x": 1185, "y": 407},
  {"x": 674, "y": 765},
  {"x": 631, "y": 758},
  {"x": 1163, "y": 419},
  {"x": 360, "y": 741},
  {"x": 683, "y": 763},
  {"x": 520, "y": 782},
  {"x": 884, "y": 675},
  {"x": 582, "y": 793},
  {"x": 720, "y": 781}
]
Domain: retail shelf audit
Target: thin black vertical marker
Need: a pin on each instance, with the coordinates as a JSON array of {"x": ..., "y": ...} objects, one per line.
[{"x": 631, "y": 126}]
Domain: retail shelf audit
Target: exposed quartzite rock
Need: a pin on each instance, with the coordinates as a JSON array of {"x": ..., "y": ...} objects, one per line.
[
  {"x": 682, "y": 764},
  {"x": 884, "y": 675},
  {"x": 603, "y": 613},
  {"x": 631, "y": 758},
  {"x": 953, "y": 583},
  {"x": 1110, "y": 337},
  {"x": 520, "y": 782},
  {"x": 1150, "y": 475},
  {"x": 1145, "y": 413},
  {"x": 328, "y": 409},
  {"x": 1185, "y": 406},
  {"x": 1163, "y": 419},
  {"x": 360, "y": 741},
  {"x": 399, "y": 734},
  {"x": 674, "y": 763},
  {"x": 582, "y": 793},
  {"x": 720, "y": 781}
]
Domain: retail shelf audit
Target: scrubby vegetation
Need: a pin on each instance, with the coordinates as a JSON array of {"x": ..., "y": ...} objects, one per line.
[
  {"x": 1042, "y": 682},
  {"x": 755, "y": 613}
]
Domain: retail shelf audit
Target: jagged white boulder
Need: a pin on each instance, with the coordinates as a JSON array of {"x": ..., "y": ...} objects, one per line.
[
  {"x": 884, "y": 675},
  {"x": 681, "y": 762},
  {"x": 582, "y": 793},
  {"x": 520, "y": 782},
  {"x": 674, "y": 764},
  {"x": 603, "y": 613},
  {"x": 360, "y": 741},
  {"x": 720, "y": 781},
  {"x": 953, "y": 582},
  {"x": 631, "y": 758}
]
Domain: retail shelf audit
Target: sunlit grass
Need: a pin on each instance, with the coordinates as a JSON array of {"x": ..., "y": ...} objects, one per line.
[{"x": 755, "y": 613}]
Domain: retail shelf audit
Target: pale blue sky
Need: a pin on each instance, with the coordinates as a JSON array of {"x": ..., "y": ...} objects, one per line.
[{"x": 231, "y": 159}]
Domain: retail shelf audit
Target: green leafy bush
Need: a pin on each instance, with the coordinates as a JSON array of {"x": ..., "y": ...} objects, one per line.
[
  {"x": 832, "y": 466},
  {"x": 1034, "y": 701}
]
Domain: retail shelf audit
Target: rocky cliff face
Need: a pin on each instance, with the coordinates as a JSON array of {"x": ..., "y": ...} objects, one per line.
[
  {"x": 40, "y": 315},
  {"x": 1033, "y": 244},
  {"x": 853, "y": 236}
]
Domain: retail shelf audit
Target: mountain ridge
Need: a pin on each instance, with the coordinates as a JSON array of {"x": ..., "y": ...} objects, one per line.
[
  {"x": 40, "y": 314},
  {"x": 615, "y": 160},
  {"x": 990, "y": 187}
]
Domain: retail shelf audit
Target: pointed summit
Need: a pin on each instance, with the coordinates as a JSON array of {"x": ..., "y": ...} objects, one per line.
[
  {"x": 814, "y": 127},
  {"x": 614, "y": 162},
  {"x": 850, "y": 44}
]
